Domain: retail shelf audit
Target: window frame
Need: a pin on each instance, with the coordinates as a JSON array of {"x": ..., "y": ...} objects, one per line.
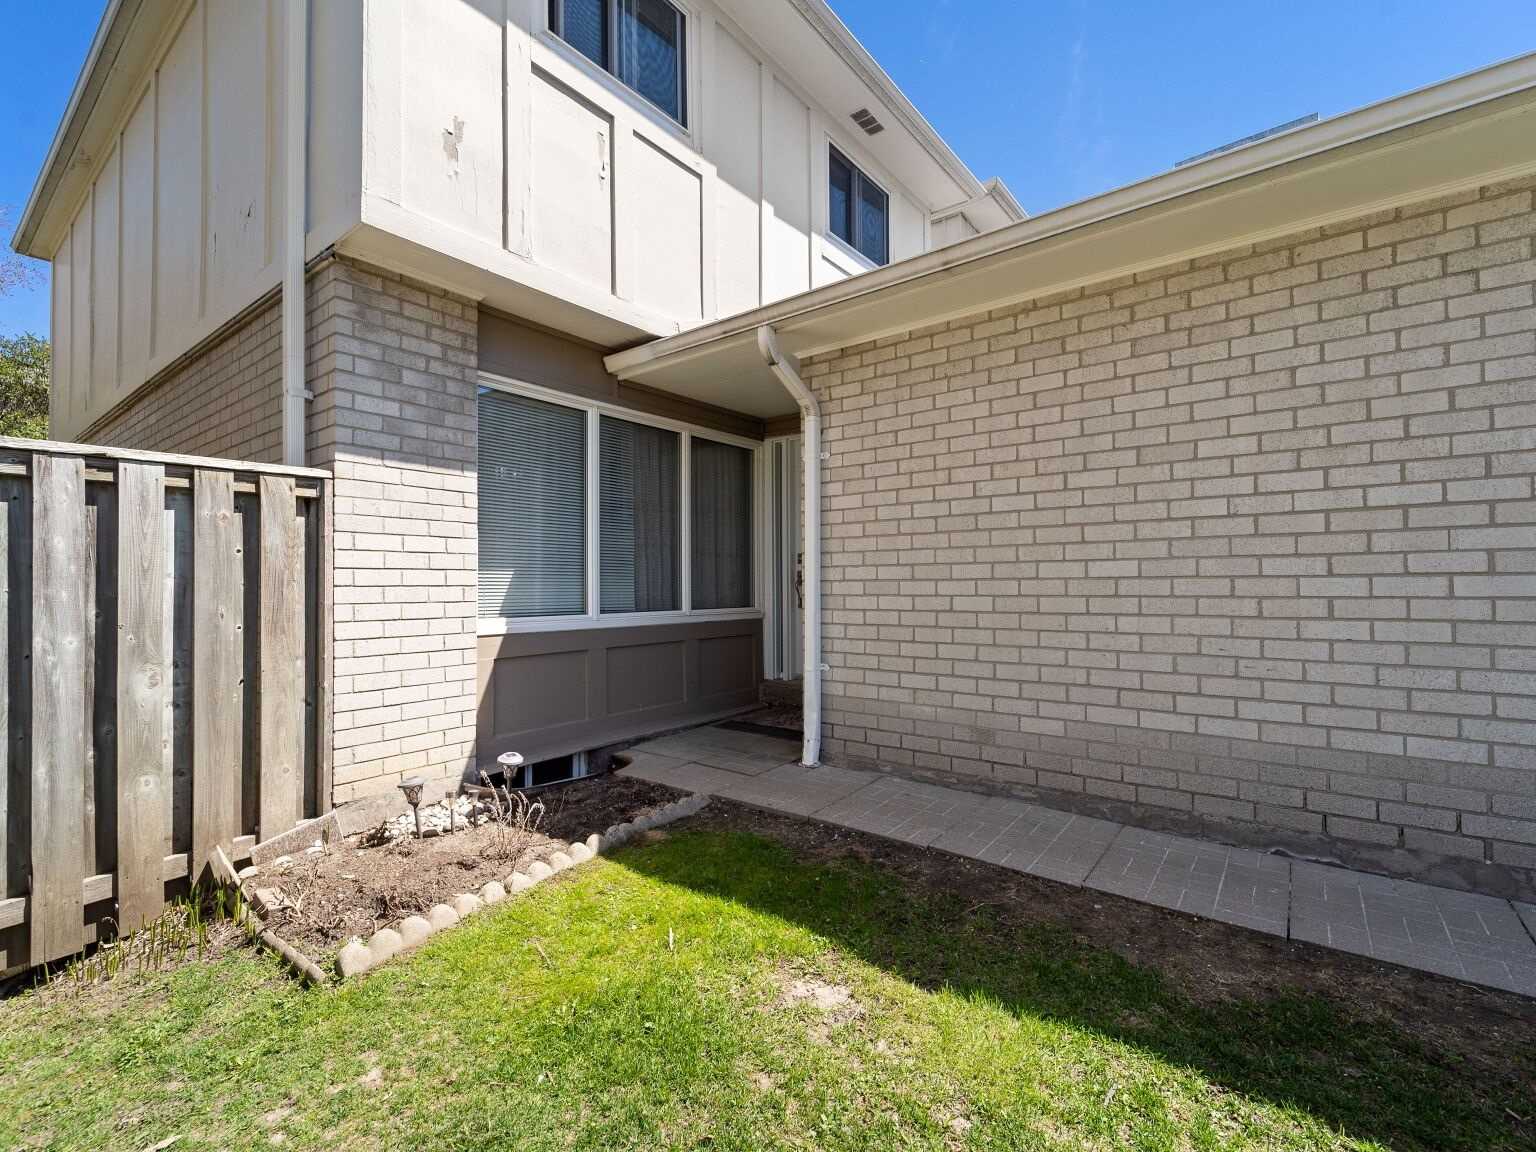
[
  {"x": 594, "y": 617},
  {"x": 553, "y": 17},
  {"x": 860, "y": 178}
]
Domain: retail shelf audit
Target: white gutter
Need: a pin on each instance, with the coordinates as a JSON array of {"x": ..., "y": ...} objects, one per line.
[
  {"x": 295, "y": 229},
  {"x": 787, "y": 371}
]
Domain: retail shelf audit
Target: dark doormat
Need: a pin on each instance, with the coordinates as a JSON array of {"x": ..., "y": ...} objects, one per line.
[{"x": 761, "y": 729}]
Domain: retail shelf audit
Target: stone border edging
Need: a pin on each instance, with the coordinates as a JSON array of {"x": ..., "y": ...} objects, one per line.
[{"x": 356, "y": 957}]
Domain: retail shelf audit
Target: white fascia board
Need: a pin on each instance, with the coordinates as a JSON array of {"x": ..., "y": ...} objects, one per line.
[{"x": 1340, "y": 149}]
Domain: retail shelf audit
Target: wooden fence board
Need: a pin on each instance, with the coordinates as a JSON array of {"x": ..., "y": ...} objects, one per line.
[
  {"x": 143, "y": 696},
  {"x": 5, "y": 692},
  {"x": 56, "y": 925},
  {"x": 178, "y": 642},
  {"x": 16, "y": 818},
  {"x": 164, "y": 680},
  {"x": 282, "y": 658},
  {"x": 217, "y": 653},
  {"x": 100, "y": 676}
]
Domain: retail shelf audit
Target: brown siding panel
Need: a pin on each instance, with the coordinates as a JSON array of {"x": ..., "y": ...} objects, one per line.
[{"x": 548, "y": 694}]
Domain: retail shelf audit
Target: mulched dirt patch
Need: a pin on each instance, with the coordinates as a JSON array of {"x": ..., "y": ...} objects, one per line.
[
  {"x": 1205, "y": 960},
  {"x": 355, "y": 888}
]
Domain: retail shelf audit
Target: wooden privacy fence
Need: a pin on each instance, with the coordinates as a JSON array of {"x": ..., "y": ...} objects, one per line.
[{"x": 163, "y": 681}]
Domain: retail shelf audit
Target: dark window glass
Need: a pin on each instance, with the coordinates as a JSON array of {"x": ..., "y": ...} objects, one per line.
[
  {"x": 722, "y": 525},
  {"x": 873, "y": 211},
  {"x": 858, "y": 211},
  {"x": 583, "y": 24},
  {"x": 651, "y": 52},
  {"x": 640, "y": 517},
  {"x": 840, "y": 209}
]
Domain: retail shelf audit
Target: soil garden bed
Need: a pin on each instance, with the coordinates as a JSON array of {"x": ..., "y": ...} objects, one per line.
[{"x": 365, "y": 882}]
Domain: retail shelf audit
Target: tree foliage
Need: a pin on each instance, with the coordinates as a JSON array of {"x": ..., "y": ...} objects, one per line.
[
  {"x": 25, "y": 360},
  {"x": 16, "y": 271},
  {"x": 24, "y": 368}
]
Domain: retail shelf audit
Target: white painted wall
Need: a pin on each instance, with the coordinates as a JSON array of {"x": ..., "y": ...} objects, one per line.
[
  {"x": 564, "y": 183},
  {"x": 179, "y": 230},
  {"x": 460, "y": 141}
]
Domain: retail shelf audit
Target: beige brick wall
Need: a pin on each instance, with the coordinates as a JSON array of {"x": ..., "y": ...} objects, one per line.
[
  {"x": 1246, "y": 537},
  {"x": 224, "y": 400},
  {"x": 393, "y": 368}
]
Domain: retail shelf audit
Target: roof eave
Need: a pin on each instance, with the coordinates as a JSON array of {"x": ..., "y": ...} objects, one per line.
[
  {"x": 100, "y": 60},
  {"x": 1484, "y": 86},
  {"x": 842, "y": 40}
]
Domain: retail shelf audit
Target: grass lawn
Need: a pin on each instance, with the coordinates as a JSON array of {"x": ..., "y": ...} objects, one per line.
[{"x": 718, "y": 989}]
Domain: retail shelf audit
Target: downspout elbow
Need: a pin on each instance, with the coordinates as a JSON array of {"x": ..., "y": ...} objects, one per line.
[{"x": 787, "y": 371}]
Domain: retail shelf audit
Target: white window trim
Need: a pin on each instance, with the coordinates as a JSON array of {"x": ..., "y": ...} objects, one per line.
[
  {"x": 684, "y": 128},
  {"x": 594, "y": 617}
]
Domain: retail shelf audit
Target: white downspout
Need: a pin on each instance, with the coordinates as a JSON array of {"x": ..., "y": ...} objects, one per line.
[
  {"x": 788, "y": 372},
  {"x": 295, "y": 211}
]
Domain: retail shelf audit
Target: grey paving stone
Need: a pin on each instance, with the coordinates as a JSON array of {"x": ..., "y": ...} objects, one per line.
[
  {"x": 1040, "y": 841},
  {"x": 676, "y": 774},
  {"x": 906, "y": 810},
  {"x": 745, "y": 753},
  {"x": 1527, "y": 913},
  {"x": 1459, "y": 934},
  {"x": 795, "y": 789},
  {"x": 1234, "y": 885}
]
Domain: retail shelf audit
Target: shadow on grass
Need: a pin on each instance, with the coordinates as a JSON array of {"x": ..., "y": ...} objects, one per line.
[{"x": 1368, "y": 1079}]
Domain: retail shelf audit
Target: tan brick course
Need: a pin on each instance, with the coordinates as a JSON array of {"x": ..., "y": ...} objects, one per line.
[
  {"x": 224, "y": 400},
  {"x": 393, "y": 366},
  {"x": 1249, "y": 537}
]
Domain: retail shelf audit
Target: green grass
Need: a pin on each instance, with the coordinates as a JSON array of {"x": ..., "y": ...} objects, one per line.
[{"x": 641, "y": 1003}]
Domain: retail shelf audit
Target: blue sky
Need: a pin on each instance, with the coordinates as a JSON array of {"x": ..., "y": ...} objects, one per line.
[{"x": 1062, "y": 99}]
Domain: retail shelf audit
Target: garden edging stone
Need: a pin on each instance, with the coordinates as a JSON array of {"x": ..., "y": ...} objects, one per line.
[{"x": 356, "y": 958}]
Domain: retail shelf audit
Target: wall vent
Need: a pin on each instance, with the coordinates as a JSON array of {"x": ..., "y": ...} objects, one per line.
[{"x": 865, "y": 119}]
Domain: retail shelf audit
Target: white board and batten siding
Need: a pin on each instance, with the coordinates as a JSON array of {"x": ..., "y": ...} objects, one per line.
[
  {"x": 490, "y": 141},
  {"x": 180, "y": 229}
]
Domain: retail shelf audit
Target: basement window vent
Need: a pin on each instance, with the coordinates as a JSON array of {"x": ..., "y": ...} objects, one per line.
[
  {"x": 865, "y": 119},
  {"x": 545, "y": 772}
]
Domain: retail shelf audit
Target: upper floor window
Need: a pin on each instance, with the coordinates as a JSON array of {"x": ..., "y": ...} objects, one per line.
[
  {"x": 642, "y": 42},
  {"x": 858, "y": 210}
]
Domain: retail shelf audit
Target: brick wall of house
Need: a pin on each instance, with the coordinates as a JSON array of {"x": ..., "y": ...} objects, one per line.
[
  {"x": 1250, "y": 537},
  {"x": 224, "y": 400},
  {"x": 393, "y": 367}
]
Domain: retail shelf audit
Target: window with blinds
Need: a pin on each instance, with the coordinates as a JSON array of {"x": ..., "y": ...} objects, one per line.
[
  {"x": 721, "y": 525},
  {"x": 639, "y": 517},
  {"x": 532, "y": 518}
]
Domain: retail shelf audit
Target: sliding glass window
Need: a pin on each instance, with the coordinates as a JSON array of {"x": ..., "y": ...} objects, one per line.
[
  {"x": 722, "y": 525},
  {"x": 640, "y": 517},
  {"x": 587, "y": 514},
  {"x": 533, "y": 507},
  {"x": 642, "y": 42}
]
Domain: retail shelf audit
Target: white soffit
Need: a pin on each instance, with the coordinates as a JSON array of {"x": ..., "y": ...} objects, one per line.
[{"x": 1478, "y": 129}]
